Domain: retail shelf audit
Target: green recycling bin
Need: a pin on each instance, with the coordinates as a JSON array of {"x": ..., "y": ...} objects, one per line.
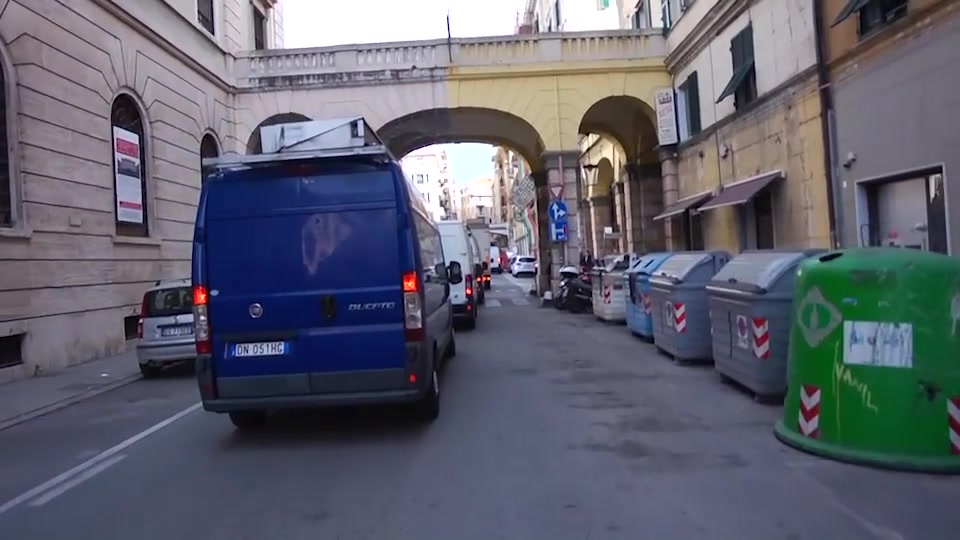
[{"x": 874, "y": 359}]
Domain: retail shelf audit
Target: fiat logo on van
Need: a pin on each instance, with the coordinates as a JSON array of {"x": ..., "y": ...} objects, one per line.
[{"x": 256, "y": 310}]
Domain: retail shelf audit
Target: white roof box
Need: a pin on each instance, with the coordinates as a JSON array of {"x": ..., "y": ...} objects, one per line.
[{"x": 318, "y": 135}]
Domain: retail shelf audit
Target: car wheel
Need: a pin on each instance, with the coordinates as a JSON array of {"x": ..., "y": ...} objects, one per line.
[
  {"x": 150, "y": 372},
  {"x": 429, "y": 405},
  {"x": 249, "y": 420}
]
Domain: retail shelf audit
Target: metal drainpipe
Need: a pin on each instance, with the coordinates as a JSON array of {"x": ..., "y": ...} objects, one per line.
[{"x": 826, "y": 115}]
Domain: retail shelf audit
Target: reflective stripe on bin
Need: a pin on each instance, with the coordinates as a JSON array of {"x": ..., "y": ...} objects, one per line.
[
  {"x": 761, "y": 338},
  {"x": 809, "y": 417},
  {"x": 607, "y": 293},
  {"x": 680, "y": 317},
  {"x": 953, "y": 417},
  {"x": 647, "y": 303}
]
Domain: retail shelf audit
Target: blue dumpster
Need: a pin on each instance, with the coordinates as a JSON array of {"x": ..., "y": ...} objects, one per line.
[{"x": 637, "y": 286}]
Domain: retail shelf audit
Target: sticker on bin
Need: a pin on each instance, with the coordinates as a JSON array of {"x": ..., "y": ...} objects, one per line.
[
  {"x": 742, "y": 336},
  {"x": 647, "y": 303},
  {"x": 680, "y": 317},
  {"x": 809, "y": 417},
  {"x": 953, "y": 414},
  {"x": 607, "y": 293},
  {"x": 268, "y": 348},
  {"x": 761, "y": 338}
]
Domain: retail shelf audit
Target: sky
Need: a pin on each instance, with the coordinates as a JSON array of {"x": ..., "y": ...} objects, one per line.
[{"x": 319, "y": 23}]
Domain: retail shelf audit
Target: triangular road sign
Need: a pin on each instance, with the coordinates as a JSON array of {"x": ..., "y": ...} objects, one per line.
[{"x": 556, "y": 191}]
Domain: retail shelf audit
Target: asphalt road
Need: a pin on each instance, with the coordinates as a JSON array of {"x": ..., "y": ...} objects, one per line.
[{"x": 553, "y": 427}]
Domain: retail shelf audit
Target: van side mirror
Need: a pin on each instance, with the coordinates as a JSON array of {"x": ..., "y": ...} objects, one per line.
[
  {"x": 455, "y": 273},
  {"x": 441, "y": 272}
]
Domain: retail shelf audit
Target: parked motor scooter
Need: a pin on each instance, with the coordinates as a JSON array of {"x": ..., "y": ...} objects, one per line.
[
  {"x": 579, "y": 294},
  {"x": 567, "y": 273}
]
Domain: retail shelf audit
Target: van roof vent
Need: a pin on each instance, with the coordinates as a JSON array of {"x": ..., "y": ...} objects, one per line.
[{"x": 315, "y": 139}]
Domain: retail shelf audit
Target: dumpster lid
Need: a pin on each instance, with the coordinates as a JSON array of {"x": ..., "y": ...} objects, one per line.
[
  {"x": 648, "y": 263},
  {"x": 677, "y": 267},
  {"x": 760, "y": 267}
]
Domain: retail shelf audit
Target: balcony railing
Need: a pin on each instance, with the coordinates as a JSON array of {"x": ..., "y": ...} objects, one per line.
[{"x": 459, "y": 52}]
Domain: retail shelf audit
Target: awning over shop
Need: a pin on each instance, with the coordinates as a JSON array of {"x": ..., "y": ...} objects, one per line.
[
  {"x": 741, "y": 192},
  {"x": 853, "y": 6},
  {"x": 681, "y": 206}
]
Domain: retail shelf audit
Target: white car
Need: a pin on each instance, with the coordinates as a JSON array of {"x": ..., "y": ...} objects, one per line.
[{"x": 524, "y": 266}]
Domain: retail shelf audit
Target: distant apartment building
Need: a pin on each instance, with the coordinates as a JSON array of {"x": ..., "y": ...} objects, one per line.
[
  {"x": 571, "y": 16},
  {"x": 429, "y": 170},
  {"x": 476, "y": 200},
  {"x": 108, "y": 107}
]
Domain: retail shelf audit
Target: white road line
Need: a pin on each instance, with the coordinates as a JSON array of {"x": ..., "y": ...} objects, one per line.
[
  {"x": 102, "y": 456},
  {"x": 493, "y": 302},
  {"x": 77, "y": 480}
]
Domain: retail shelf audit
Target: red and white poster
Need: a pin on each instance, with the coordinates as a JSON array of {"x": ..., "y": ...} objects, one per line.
[{"x": 129, "y": 186}]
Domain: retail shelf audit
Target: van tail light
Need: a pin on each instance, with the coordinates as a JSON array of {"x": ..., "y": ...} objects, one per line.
[
  {"x": 143, "y": 313},
  {"x": 201, "y": 319},
  {"x": 469, "y": 283},
  {"x": 412, "y": 308}
]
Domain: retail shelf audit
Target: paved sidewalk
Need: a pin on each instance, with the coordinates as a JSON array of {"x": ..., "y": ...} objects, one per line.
[{"x": 29, "y": 398}]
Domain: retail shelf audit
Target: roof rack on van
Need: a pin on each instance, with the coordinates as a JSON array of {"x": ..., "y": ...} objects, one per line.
[{"x": 317, "y": 139}]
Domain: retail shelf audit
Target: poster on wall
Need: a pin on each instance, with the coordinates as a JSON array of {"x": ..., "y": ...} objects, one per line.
[
  {"x": 667, "y": 117},
  {"x": 129, "y": 186}
]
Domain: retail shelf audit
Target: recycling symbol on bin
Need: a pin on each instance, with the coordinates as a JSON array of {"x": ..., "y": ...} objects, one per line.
[{"x": 817, "y": 317}]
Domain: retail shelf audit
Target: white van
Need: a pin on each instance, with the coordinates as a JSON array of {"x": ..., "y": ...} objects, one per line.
[{"x": 456, "y": 248}]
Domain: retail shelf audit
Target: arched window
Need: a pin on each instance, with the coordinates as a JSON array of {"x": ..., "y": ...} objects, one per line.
[
  {"x": 129, "y": 168},
  {"x": 208, "y": 149},
  {"x": 6, "y": 179}
]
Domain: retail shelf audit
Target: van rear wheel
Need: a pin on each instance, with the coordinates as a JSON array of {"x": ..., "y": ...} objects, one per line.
[
  {"x": 429, "y": 405},
  {"x": 249, "y": 420}
]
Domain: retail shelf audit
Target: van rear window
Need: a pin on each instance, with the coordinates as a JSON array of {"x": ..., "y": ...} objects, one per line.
[
  {"x": 169, "y": 302},
  {"x": 292, "y": 187}
]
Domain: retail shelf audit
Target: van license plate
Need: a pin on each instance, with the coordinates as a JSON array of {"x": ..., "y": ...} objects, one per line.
[
  {"x": 270, "y": 348},
  {"x": 174, "y": 331}
]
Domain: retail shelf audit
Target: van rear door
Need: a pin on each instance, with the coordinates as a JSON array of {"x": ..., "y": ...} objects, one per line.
[{"x": 303, "y": 266}]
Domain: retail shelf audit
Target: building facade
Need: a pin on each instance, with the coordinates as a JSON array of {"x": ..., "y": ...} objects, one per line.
[
  {"x": 752, "y": 167},
  {"x": 429, "y": 170},
  {"x": 893, "y": 70},
  {"x": 108, "y": 107},
  {"x": 476, "y": 200}
]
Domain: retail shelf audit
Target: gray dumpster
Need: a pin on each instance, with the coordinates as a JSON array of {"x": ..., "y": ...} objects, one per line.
[
  {"x": 751, "y": 301},
  {"x": 678, "y": 295}
]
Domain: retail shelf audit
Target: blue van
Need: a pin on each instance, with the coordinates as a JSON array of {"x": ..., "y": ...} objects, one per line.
[{"x": 318, "y": 279}]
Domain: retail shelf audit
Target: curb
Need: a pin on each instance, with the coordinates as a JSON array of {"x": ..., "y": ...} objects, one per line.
[{"x": 66, "y": 402}]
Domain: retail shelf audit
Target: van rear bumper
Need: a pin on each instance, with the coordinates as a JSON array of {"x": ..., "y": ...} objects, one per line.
[
  {"x": 312, "y": 390},
  {"x": 312, "y": 401}
]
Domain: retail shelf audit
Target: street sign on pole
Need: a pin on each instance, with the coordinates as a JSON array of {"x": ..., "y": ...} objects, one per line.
[
  {"x": 558, "y": 212},
  {"x": 556, "y": 191},
  {"x": 558, "y": 232}
]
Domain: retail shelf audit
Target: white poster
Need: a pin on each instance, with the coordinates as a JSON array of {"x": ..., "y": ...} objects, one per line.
[
  {"x": 881, "y": 344},
  {"x": 667, "y": 117},
  {"x": 126, "y": 157}
]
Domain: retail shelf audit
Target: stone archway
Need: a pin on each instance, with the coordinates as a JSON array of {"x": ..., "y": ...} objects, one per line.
[
  {"x": 476, "y": 124},
  {"x": 254, "y": 145},
  {"x": 628, "y": 126}
]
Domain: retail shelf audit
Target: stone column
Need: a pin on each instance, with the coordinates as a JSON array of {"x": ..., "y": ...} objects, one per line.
[
  {"x": 563, "y": 171},
  {"x": 599, "y": 218},
  {"x": 671, "y": 188},
  {"x": 645, "y": 200},
  {"x": 619, "y": 189}
]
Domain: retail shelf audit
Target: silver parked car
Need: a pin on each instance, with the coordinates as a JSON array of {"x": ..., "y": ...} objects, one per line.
[{"x": 165, "y": 330}]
